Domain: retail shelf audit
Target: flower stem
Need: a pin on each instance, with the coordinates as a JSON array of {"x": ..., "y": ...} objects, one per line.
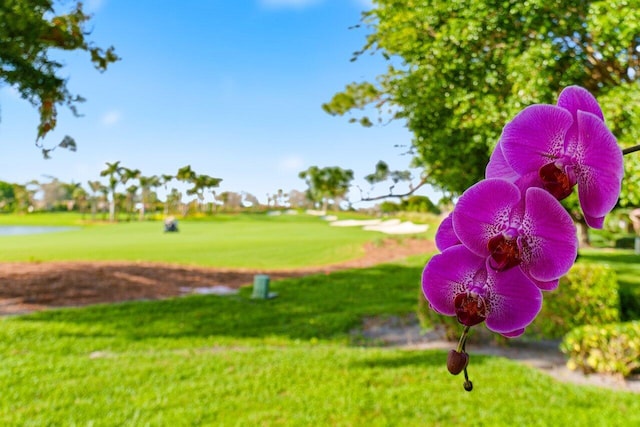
[
  {"x": 631, "y": 150},
  {"x": 463, "y": 339}
]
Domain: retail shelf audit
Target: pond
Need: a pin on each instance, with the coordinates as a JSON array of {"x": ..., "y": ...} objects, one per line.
[{"x": 14, "y": 230}]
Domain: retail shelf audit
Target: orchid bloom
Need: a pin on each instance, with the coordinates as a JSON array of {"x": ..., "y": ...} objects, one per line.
[
  {"x": 445, "y": 235},
  {"x": 564, "y": 145},
  {"x": 460, "y": 283},
  {"x": 532, "y": 230}
]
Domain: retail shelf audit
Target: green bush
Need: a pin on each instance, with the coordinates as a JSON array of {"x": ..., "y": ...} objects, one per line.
[
  {"x": 587, "y": 295},
  {"x": 609, "y": 349}
]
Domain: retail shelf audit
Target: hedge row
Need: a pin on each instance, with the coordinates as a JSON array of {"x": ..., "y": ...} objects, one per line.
[{"x": 608, "y": 349}]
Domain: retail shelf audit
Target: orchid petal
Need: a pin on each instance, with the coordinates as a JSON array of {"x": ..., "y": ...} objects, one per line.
[
  {"x": 550, "y": 243},
  {"x": 594, "y": 222},
  {"x": 513, "y": 334},
  {"x": 535, "y": 137},
  {"x": 600, "y": 166},
  {"x": 515, "y": 301},
  {"x": 446, "y": 236},
  {"x": 448, "y": 274},
  {"x": 576, "y": 98},
  {"x": 498, "y": 167},
  {"x": 550, "y": 285},
  {"x": 483, "y": 212}
]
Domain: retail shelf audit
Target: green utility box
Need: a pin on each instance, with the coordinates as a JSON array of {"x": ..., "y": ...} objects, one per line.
[{"x": 261, "y": 287}]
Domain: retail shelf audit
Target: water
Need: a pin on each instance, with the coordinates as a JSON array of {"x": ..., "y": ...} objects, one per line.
[{"x": 15, "y": 230}]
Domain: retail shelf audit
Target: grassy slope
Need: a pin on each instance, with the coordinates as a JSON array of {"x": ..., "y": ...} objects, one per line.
[
  {"x": 236, "y": 361},
  {"x": 244, "y": 241}
]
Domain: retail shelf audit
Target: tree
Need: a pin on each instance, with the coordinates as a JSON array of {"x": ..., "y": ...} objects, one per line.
[
  {"x": 200, "y": 182},
  {"x": 298, "y": 199},
  {"x": 147, "y": 184},
  {"x": 127, "y": 175},
  {"x": 459, "y": 70},
  {"x": 31, "y": 32},
  {"x": 80, "y": 198},
  {"x": 7, "y": 196},
  {"x": 114, "y": 171},
  {"x": 326, "y": 185},
  {"x": 96, "y": 188}
]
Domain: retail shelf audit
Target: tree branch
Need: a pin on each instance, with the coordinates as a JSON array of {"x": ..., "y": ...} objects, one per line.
[
  {"x": 631, "y": 150},
  {"x": 422, "y": 182}
]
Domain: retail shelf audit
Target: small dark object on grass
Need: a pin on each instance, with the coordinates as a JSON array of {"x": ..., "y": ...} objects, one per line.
[{"x": 170, "y": 224}]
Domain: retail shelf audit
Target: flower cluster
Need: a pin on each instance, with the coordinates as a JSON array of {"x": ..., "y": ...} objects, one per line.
[{"x": 509, "y": 238}]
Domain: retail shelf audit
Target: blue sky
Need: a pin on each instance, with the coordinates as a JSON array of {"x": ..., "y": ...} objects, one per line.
[{"x": 231, "y": 87}]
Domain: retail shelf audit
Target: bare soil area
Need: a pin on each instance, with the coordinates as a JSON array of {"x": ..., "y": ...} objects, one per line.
[{"x": 26, "y": 287}]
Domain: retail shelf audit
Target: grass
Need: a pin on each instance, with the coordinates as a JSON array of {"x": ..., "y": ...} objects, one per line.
[
  {"x": 240, "y": 241},
  {"x": 292, "y": 360},
  {"x": 210, "y": 360}
]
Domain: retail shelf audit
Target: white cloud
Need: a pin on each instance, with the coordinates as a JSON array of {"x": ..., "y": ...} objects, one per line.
[
  {"x": 111, "y": 118},
  {"x": 291, "y": 163},
  {"x": 283, "y": 4}
]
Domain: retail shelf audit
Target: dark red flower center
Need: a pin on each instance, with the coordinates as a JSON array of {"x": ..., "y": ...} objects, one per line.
[
  {"x": 504, "y": 252},
  {"x": 470, "y": 308},
  {"x": 555, "y": 181}
]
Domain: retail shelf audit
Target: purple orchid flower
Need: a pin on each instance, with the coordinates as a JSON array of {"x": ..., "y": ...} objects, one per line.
[
  {"x": 459, "y": 283},
  {"x": 445, "y": 235},
  {"x": 564, "y": 145},
  {"x": 533, "y": 231}
]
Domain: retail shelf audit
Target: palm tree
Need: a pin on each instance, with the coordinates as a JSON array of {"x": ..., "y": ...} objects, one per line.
[
  {"x": 131, "y": 198},
  {"x": 147, "y": 183},
  {"x": 96, "y": 187},
  {"x": 126, "y": 176},
  {"x": 114, "y": 172}
]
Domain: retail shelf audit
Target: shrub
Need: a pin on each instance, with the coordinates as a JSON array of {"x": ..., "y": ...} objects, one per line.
[
  {"x": 587, "y": 295},
  {"x": 609, "y": 349}
]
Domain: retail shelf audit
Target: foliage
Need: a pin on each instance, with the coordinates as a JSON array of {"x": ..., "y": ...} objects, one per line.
[
  {"x": 627, "y": 268},
  {"x": 587, "y": 295},
  {"x": 7, "y": 196},
  {"x": 211, "y": 360},
  {"x": 610, "y": 349},
  {"x": 459, "y": 70},
  {"x": 326, "y": 184},
  {"x": 420, "y": 204},
  {"x": 31, "y": 33}
]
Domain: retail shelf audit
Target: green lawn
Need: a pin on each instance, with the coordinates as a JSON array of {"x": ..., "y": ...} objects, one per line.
[
  {"x": 227, "y": 361},
  {"x": 210, "y": 360},
  {"x": 241, "y": 241}
]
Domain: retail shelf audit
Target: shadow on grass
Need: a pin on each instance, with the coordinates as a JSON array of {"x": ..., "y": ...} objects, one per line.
[
  {"x": 610, "y": 256},
  {"x": 318, "y": 306}
]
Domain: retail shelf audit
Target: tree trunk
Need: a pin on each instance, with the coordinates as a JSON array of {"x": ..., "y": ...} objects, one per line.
[{"x": 583, "y": 233}]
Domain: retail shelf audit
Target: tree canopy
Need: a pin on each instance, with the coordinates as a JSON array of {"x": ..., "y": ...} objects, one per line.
[
  {"x": 30, "y": 32},
  {"x": 460, "y": 70},
  {"x": 326, "y": 184}
]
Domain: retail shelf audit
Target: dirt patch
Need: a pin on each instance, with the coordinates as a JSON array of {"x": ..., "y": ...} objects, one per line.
[{"x": 26, "y": 287}]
